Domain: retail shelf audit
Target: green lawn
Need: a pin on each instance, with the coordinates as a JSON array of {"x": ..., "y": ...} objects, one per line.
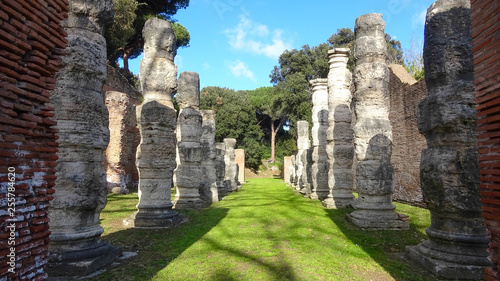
[{"x": 263, "y": 232}]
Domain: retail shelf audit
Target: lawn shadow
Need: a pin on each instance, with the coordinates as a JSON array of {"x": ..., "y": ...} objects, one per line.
[
  {"x": 156, "y": 248},
  {"x": 386, "y": 247}
]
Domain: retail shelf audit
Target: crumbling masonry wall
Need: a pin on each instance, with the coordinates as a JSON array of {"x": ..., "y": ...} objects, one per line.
[
  {"x": 124, "y": 136},
  {"x": 405, "y": 94},
  {"x": 32, "y": 42},
  {"x": 485, "y": 46}
]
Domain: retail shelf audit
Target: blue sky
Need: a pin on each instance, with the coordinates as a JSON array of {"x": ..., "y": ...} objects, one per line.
[{"x": 236, "y": 43}]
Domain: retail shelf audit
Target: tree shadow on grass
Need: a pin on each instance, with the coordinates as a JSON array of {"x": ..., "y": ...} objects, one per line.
[
  {"x": 386, "y": 247},
  {"x": 156, "y": 248}
]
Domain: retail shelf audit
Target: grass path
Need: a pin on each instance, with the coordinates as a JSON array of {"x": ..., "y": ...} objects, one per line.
[{"x": 263, "y": 232}]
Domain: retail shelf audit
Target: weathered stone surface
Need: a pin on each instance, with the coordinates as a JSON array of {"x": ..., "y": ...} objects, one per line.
[
  {"x": 189, "y": 85},
  {"x": 189, "y": 176},
  {"x": 449, "y": 169},
  {"x": 406, "y": 93},
  {"x": 157, "y": 70},
  {"x": 372, "y": 132},
  {"x": 231, "y": 169},
  {"x": 76, "y": 248},
  {"x": 239, "y": 158},
  {"x": 319, "y": 167},
  {"x": 340, "y": 149},
  {"x": 293, "y": 170},
  {"x": 303, "y": 144},
  {"x": 156, "y": 118},
  {"x": 208, "y": 191},
  {"x": 287, "y": 162},
  {"x": 220, "y": 169},
  {"x": 121, "y": 148}
]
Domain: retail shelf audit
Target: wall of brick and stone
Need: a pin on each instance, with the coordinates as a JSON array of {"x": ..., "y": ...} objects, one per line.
[
  {"x": 486, "y": 43},
  {"x": 406, "y": 93},
  {"x": 121, "y": 101},
  {"x": 32, "y": 42}
]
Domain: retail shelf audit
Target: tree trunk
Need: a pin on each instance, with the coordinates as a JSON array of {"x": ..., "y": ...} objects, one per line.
[
  {"x": 273, "y": 140},
  {"x": 125, "y": 60}
]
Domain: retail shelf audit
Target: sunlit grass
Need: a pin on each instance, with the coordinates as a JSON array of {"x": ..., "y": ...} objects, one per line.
[{"x": 263, "y": 232}]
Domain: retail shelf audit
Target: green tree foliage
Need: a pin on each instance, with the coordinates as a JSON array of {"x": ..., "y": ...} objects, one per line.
[
  {"x": 414, "y": 59},
  {"x": 127, "y": 44},
  {"x": 235, "y": 117}
]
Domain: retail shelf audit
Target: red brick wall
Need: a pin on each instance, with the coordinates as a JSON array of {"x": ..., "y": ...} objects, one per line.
[
  {"x": 486, "y": 46},
  {"x": 31, "y": 43}
]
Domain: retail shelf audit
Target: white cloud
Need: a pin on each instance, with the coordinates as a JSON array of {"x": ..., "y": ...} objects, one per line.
[
  {"x": 205, "y": 65},
  {"x": 239, "y": 68},
  {"x": 418, "y": 19},
  {"x": 256, "y": 38}
]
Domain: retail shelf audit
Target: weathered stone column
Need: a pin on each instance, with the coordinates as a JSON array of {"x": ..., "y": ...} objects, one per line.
[
  {"x": 239, "y": 158},
  {"x": 293, "y": 171},
  {"x": 220, "y": 169},
  {"x": 340, "y": 148},
  {"x": 372, "y": 132},
  {"x": 82, "y": 121},
  {"x": 303, "y": 144},
  {"x": 156, "y": 118},
  {"x": 449, "y": 169},
  {"x": 231, "y": 169},
  {"x": 208, "y": 190},
  {"x": 319, "y": 166},
  {"x": 188, "y": 174},
  {"x": 287, "y": 162}
]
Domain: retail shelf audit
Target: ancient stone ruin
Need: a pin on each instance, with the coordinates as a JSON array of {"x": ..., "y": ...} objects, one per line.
[
  {"x": 339, "y": 136},
  {"x": 124, "y": 137},
  {"x": 239, "y": 158},
  {"x": 301, "y": 159},
  {"x": 287, "y": 162},
  {"x": 449, "y": 168},
  {"x": 406, "y": 93},
  {"x": 82, "y": 121},
  {"x": 373, "y": 132},
  {"x": 231, "y": 169},
  {"x": 319, "y": 167},
  {"x": 220, "y": 169},
  {"x": 156, "y": 118},
  {"x": 188, "y": 174},
  {"x": 208, "y": 189}
]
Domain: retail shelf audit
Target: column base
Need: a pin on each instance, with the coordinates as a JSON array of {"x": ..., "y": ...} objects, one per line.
[
  {"x": 66, "y": 260},
  {"x": 379, "y": 220},
  {"x": 445, "y": 269},
  {"x": 189, "y": 203},
  {"x": 152, "y": 218},
  {"x": 338, "y": 203}
]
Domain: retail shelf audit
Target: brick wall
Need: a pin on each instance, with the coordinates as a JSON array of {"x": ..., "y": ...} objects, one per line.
[
  {"x": 485, "y": 46},
  {"x": 121, "y": 101},
  {"x": 406, "y": 93},
  {"x": 31, "y": 43}
]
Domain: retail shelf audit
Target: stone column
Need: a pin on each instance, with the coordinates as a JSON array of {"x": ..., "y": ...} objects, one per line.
[
  {"x": 82, "y": 121},
  {"x": 188, "y": 174},
  {"x": 239, "y": 155},
  {"x": 287, "y": 162},
  {"x": 208, "y": 190},
  {"x": 319, "y": 166},
  {"x": 303, "y": 144},
  {"x": 340, "y": 146},
  {"x": 156, "y": 118},
  {"x": 372, "y": 132},
  {"x": 231, "y": 169},
  {"x": 449, "y": 169},
  {"x": 293, "y": 171},
  {"x": 220, "y": 169}
]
